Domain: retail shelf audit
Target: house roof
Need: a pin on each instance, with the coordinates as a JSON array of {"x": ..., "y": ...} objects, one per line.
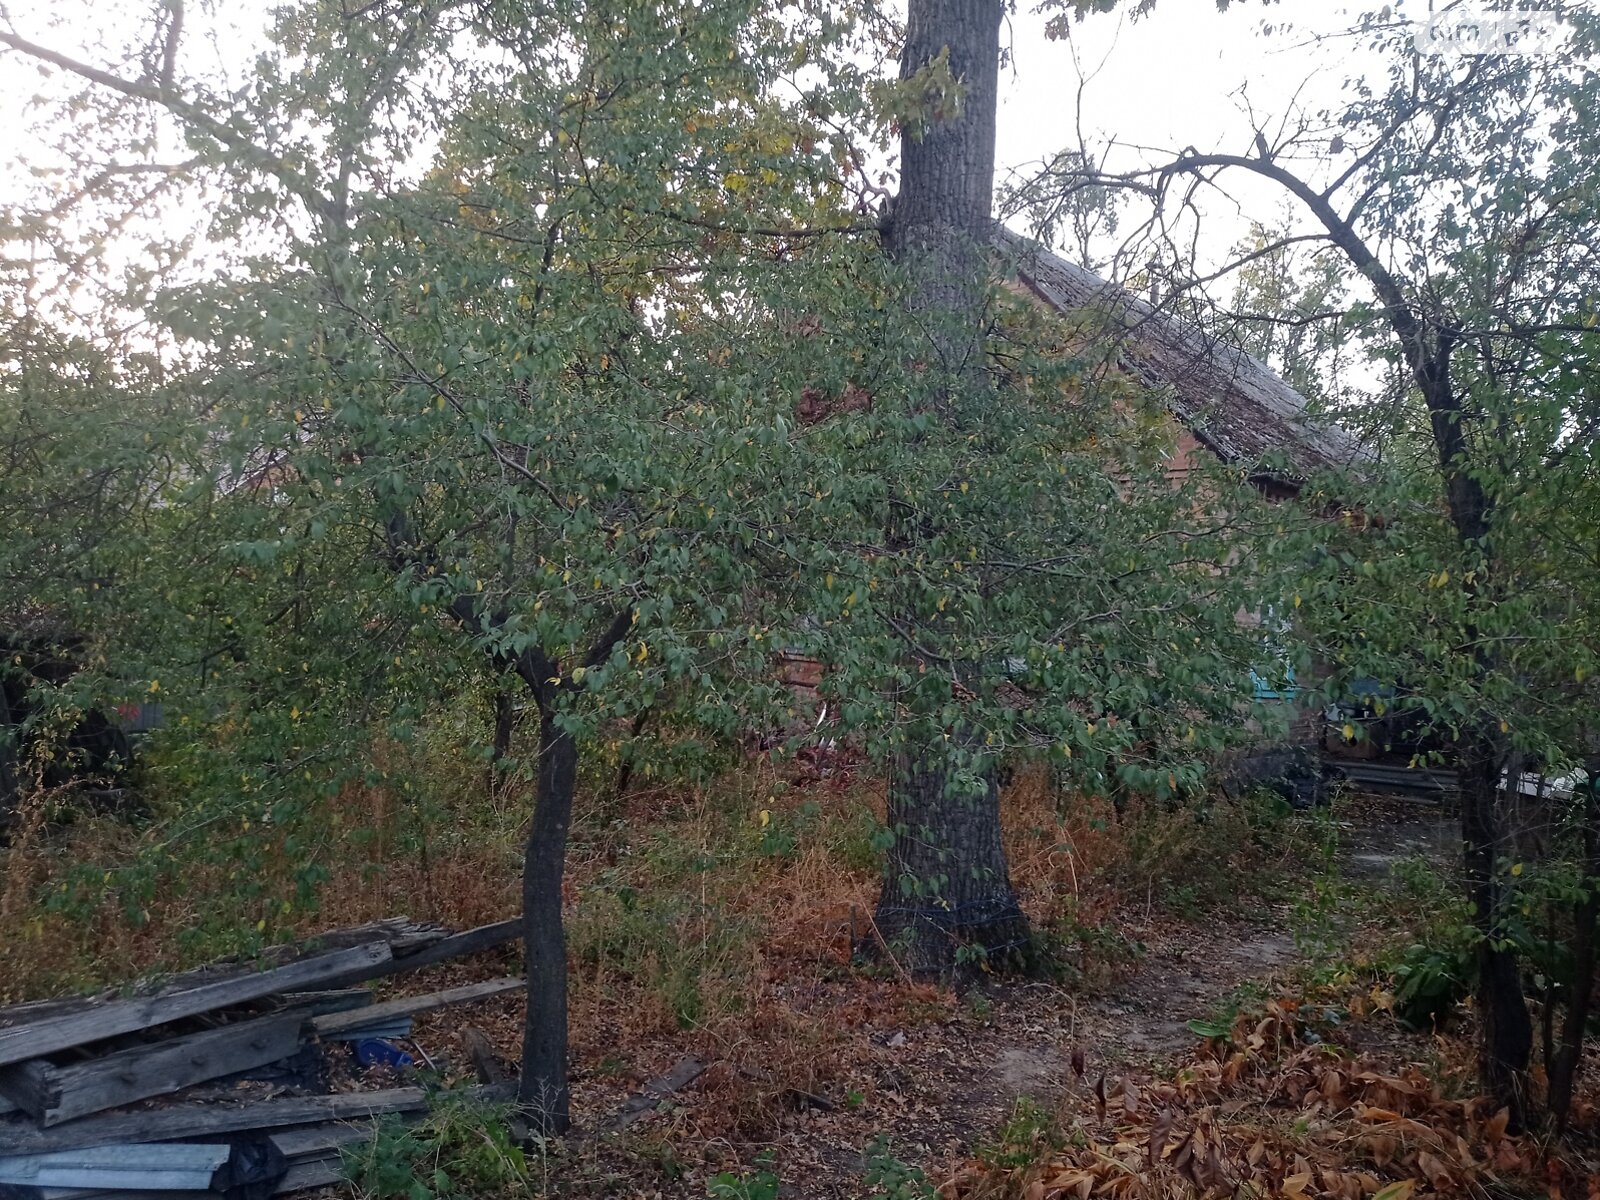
[{"x": 1234, "y": 404}]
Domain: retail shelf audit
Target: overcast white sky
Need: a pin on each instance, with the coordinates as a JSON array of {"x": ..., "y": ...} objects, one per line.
[
  {"x": 1171, "y": 80},
  {"x": 1182, "y": 77}
]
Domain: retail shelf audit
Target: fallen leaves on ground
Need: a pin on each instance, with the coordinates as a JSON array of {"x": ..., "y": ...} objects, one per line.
[{"x": 1273, "y": 1110}]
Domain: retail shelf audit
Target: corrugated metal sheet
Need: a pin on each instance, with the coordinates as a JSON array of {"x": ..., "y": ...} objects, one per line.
[
  {"x": 1235, "y": 404},
  {"x": 150, "y": 1167}
]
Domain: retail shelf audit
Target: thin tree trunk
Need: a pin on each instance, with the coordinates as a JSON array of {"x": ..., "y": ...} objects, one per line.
[
  {"x": 544, "y": 1092},
  {"x": 1564, "y": 1064},
  {"x": 629, "y": 749},
  {"x": 946, "y": 884},
  {"x": 1505, "y": 1041},
  {"x": 505, "y": 722}
]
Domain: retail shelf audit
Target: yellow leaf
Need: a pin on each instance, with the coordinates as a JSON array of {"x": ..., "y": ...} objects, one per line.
[
  {"x": 1349, "y": 732},
  {"x": 766, "y": 817},
  {"x": 1516, "y": 868},
  {"x": 155, "y": 685},
  {"x": 1397, "y": 1191}
]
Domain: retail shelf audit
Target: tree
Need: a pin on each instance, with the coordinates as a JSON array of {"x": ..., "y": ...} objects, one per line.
[
  {"x": 550, "y": 339},
  {"x": 946, "y": 828},
  {"x": 508, "y": 384},
  {"x": 1460, "y": 192}
]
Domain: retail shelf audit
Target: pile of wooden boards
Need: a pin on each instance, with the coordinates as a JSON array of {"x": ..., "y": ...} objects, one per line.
[{"x": 215, "y": 1082}]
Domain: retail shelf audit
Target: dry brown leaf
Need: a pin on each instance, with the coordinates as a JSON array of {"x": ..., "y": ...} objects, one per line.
[
  {"x": 1438, "y": 1174},
  {"x": 1494, "y": 1129},
  {"x": 1160, "y": 1130},
  {"x": 1294, "y": 1186}
]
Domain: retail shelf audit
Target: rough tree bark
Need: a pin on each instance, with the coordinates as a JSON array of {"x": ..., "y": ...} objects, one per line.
[
  {"x": 946, "y": 883},
  {"x": 1563, "y": 1063},
  {"x": 543, "y": 1091}
]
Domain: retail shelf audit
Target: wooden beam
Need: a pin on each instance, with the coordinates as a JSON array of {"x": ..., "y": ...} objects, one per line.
[
  {"x": 319, "y": 1141},
  {"x": 410, "y": 1006},
  {"x": 402, "y": 935},
  {"x": 52, "y": 1094},
  {"x": 454, "y": 946},
  {"x": 310, "y": 1173},
  {"x": 124, "y": 1016},
  {"x": 317, "y": 1003},
  {"x": 650, "y": 1097},
  {"x": 205, "y": 1120}
]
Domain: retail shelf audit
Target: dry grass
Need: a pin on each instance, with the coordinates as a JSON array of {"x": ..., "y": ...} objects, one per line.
[
  {"x": 685, "y": 904},
  {"x": 719, "y": 921}
]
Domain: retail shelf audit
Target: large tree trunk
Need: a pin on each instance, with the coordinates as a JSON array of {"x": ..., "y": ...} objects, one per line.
[
  {"x": 947, "y": 899},
  {"x": 946, "y": 884},
  {"x": 544, "y": 1093}
]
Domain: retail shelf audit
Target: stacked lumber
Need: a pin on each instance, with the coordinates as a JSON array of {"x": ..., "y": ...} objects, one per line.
[{"x": 141, "y": 1095}]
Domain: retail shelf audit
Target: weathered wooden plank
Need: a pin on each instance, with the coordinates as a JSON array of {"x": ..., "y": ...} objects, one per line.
[
  {"x": 317, "y": 1003},
  {"x": 454, "y": 946},
  {"x": 52, "y": 1094},
  {"x": 310, "y": 1173},
  {"x": 205, "y": 1120},
  {"x": 319, "y": 1141},
  {"x": 402, "y": 935},
  {"x": 649, "y": 1097},
  {"x": 411, "y": 1006},
  {"x": 395, "y": 1027},
  {"x": 124, "y": 1016}
]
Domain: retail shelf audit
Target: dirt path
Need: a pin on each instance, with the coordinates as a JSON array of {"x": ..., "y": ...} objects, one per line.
[
  {"x": 938, "y": 1090},
  {"x": 955, "y": 1083}
]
